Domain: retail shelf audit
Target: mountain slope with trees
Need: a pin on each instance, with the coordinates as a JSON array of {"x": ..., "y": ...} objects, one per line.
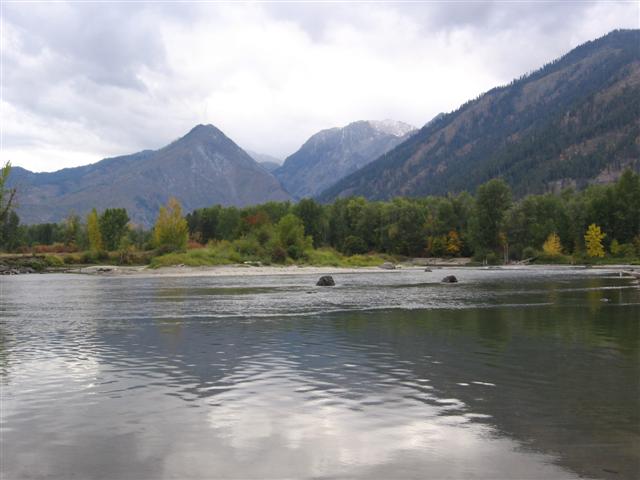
[
  {"x": 574, "y": 122},
  {"x": 202, "y": 168}
]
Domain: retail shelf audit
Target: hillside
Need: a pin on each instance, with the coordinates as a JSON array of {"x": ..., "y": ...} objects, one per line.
[
  {"x": 334, "y": 153},
  {"x": 200, "y": 169},
  {"x": 573, "y": 122}
]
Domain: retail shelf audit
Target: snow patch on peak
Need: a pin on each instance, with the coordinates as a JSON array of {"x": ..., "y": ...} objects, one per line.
[{"x": 392, "y": 127}]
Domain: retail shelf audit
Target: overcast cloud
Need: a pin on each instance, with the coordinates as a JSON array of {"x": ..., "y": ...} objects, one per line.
[{"x": 83, "y": 81}]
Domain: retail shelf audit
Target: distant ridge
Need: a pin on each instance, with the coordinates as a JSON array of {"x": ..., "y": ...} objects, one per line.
[
  {"x": 332, "y": 154},
  {"x": 202, "y": 168}
]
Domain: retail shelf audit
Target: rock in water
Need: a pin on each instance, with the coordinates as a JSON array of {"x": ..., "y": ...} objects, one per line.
[
  {"x": 326, "y": 281},
  {"x": 428, "y": 270},
  {"x": 450, "y": 279},
  {"x": 388, "y": 266}
]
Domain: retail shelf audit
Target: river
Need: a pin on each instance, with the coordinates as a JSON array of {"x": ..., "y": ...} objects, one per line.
[{"x": 525, "y": 373}]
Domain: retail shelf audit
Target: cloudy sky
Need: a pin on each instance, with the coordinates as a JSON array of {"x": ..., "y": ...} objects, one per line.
[{"x": 83, "y": 81}]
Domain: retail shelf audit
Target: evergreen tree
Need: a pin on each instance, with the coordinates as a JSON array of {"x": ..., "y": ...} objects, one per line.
[{"x": 492, "y": 201}]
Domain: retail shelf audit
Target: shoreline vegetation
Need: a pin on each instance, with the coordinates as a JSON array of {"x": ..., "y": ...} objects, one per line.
[{"x": 596, "y": 226}]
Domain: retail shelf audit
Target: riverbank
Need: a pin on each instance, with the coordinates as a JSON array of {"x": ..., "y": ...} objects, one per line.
[{"x": 249, "y": 270}]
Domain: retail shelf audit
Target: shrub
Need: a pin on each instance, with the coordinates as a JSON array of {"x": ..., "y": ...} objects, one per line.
[
  {"x": 354, "y": 245},
  {"x": 278, "y": 254},
  {"x": 53, "y": 261}
]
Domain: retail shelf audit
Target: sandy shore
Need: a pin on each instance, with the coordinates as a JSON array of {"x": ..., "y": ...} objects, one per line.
[
  {"x": 226, "y": 270},
  {"x": 246, "y": 270}
]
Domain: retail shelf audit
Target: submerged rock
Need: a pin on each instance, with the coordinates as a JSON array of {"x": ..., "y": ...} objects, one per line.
[
  {"x": 326, "y": 281},
  {"x": 450, "y": 279}
]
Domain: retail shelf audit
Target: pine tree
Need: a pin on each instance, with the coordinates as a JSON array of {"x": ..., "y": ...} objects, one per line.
[
  {"x": 93, "y": 232},
  {"x": 593, "y": 240},
  {"x": 552, "y": 245}
]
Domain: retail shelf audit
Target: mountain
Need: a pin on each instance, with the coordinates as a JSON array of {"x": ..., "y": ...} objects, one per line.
[
  {"x": 270, "y": 166},
  {"x": 267, "y": 162},
  {"x": 573, "y": 122},
  {"x": 332, "y": 154},
  {"x": 200, "y": 169}
]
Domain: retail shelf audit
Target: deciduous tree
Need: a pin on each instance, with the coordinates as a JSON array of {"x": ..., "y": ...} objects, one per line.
[
  {"x": 552, "y": 245},
  {"x": 593, "y": 241},
  {"x": 171, "y": 231},
  {"x": 93, "y": 232}
]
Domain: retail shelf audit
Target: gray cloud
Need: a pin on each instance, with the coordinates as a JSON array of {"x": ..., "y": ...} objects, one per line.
[{"x": 86, "y": 80}]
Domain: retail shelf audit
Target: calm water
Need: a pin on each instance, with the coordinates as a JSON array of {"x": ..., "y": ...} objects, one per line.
[{"x": 509, "y": 374}]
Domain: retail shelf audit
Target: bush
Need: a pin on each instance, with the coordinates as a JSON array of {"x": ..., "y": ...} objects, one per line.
[
  {"x": 54, "y": 248},
  {"x": 53, "y": 261},
  {"x": 554, "y": 259},
  {"x": 278, "y": 254},
  {"x": 248, "y": 246},
  {"x": 529, "y": 252},
  {"x": 354, "y": 245},
  {"x": 72, "y": 259}
]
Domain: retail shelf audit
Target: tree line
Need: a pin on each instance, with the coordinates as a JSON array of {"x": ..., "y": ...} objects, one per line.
[{"x": 490, "y": 226}]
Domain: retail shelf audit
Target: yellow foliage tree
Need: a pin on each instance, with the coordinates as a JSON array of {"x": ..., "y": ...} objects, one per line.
[
  {"x": 552, "y": 245},
  {"x": 93, "y": 232},
  {"x": 593, "y": 240},
  {"x": 454, "y": 244},
  {"x": 171, "y": 231}
]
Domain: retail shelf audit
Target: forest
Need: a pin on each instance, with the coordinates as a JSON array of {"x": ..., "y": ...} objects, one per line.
[{"x": 599, "y": 223}]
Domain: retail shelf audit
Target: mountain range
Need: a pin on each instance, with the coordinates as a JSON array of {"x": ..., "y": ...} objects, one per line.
[
  {"x": 574, "y": 122},
  {"x": 202, "y": 168}
]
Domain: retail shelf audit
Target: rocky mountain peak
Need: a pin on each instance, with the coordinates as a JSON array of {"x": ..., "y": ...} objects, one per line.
[{"x": 392, "y": 127}]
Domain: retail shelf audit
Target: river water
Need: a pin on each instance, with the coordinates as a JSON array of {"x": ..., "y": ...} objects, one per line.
[{"x": 531, "y": 374}]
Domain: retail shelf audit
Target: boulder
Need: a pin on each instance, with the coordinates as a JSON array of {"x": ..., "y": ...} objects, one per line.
[
  {"x": 326, "y": 281},
  {"x": 428, "y": 270},
  {"x": 388, "y": 266},
  {"x": 450, "y": 279}
]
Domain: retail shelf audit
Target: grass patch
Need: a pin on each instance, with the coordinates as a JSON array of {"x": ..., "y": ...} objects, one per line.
[
  {"x": 328, "y": 257},
  {"x": 221, "y": 253},
  {"x": 227, "y": 253}
]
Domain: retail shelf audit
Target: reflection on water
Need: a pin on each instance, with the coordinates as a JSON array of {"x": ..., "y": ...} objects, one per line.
[{"x": 509, "y": 374}]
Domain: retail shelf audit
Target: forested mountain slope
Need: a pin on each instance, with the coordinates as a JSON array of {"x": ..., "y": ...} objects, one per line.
[{"x": 573, "y": 122}]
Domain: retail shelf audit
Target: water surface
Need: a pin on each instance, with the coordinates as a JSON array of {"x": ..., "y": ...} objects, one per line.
[{"x": 508, "y": 374}]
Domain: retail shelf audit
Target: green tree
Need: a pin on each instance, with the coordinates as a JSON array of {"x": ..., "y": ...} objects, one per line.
[
  {"x": 626, "y": 215},
  {"x": 291, "y": 237},
  {"x": 313, "y": 218},
  {"x": 113, "y": 226},
  {"x": 593, "y": 241},
  {"x": 171, "y": 231},
  {"x": 93, "y": 232},
  {"x": 10, "y": 232},
  {"x": 72, "y": 230},
  {"x": 7, "y": 195},
  {"x": 492, "y": 201}
]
